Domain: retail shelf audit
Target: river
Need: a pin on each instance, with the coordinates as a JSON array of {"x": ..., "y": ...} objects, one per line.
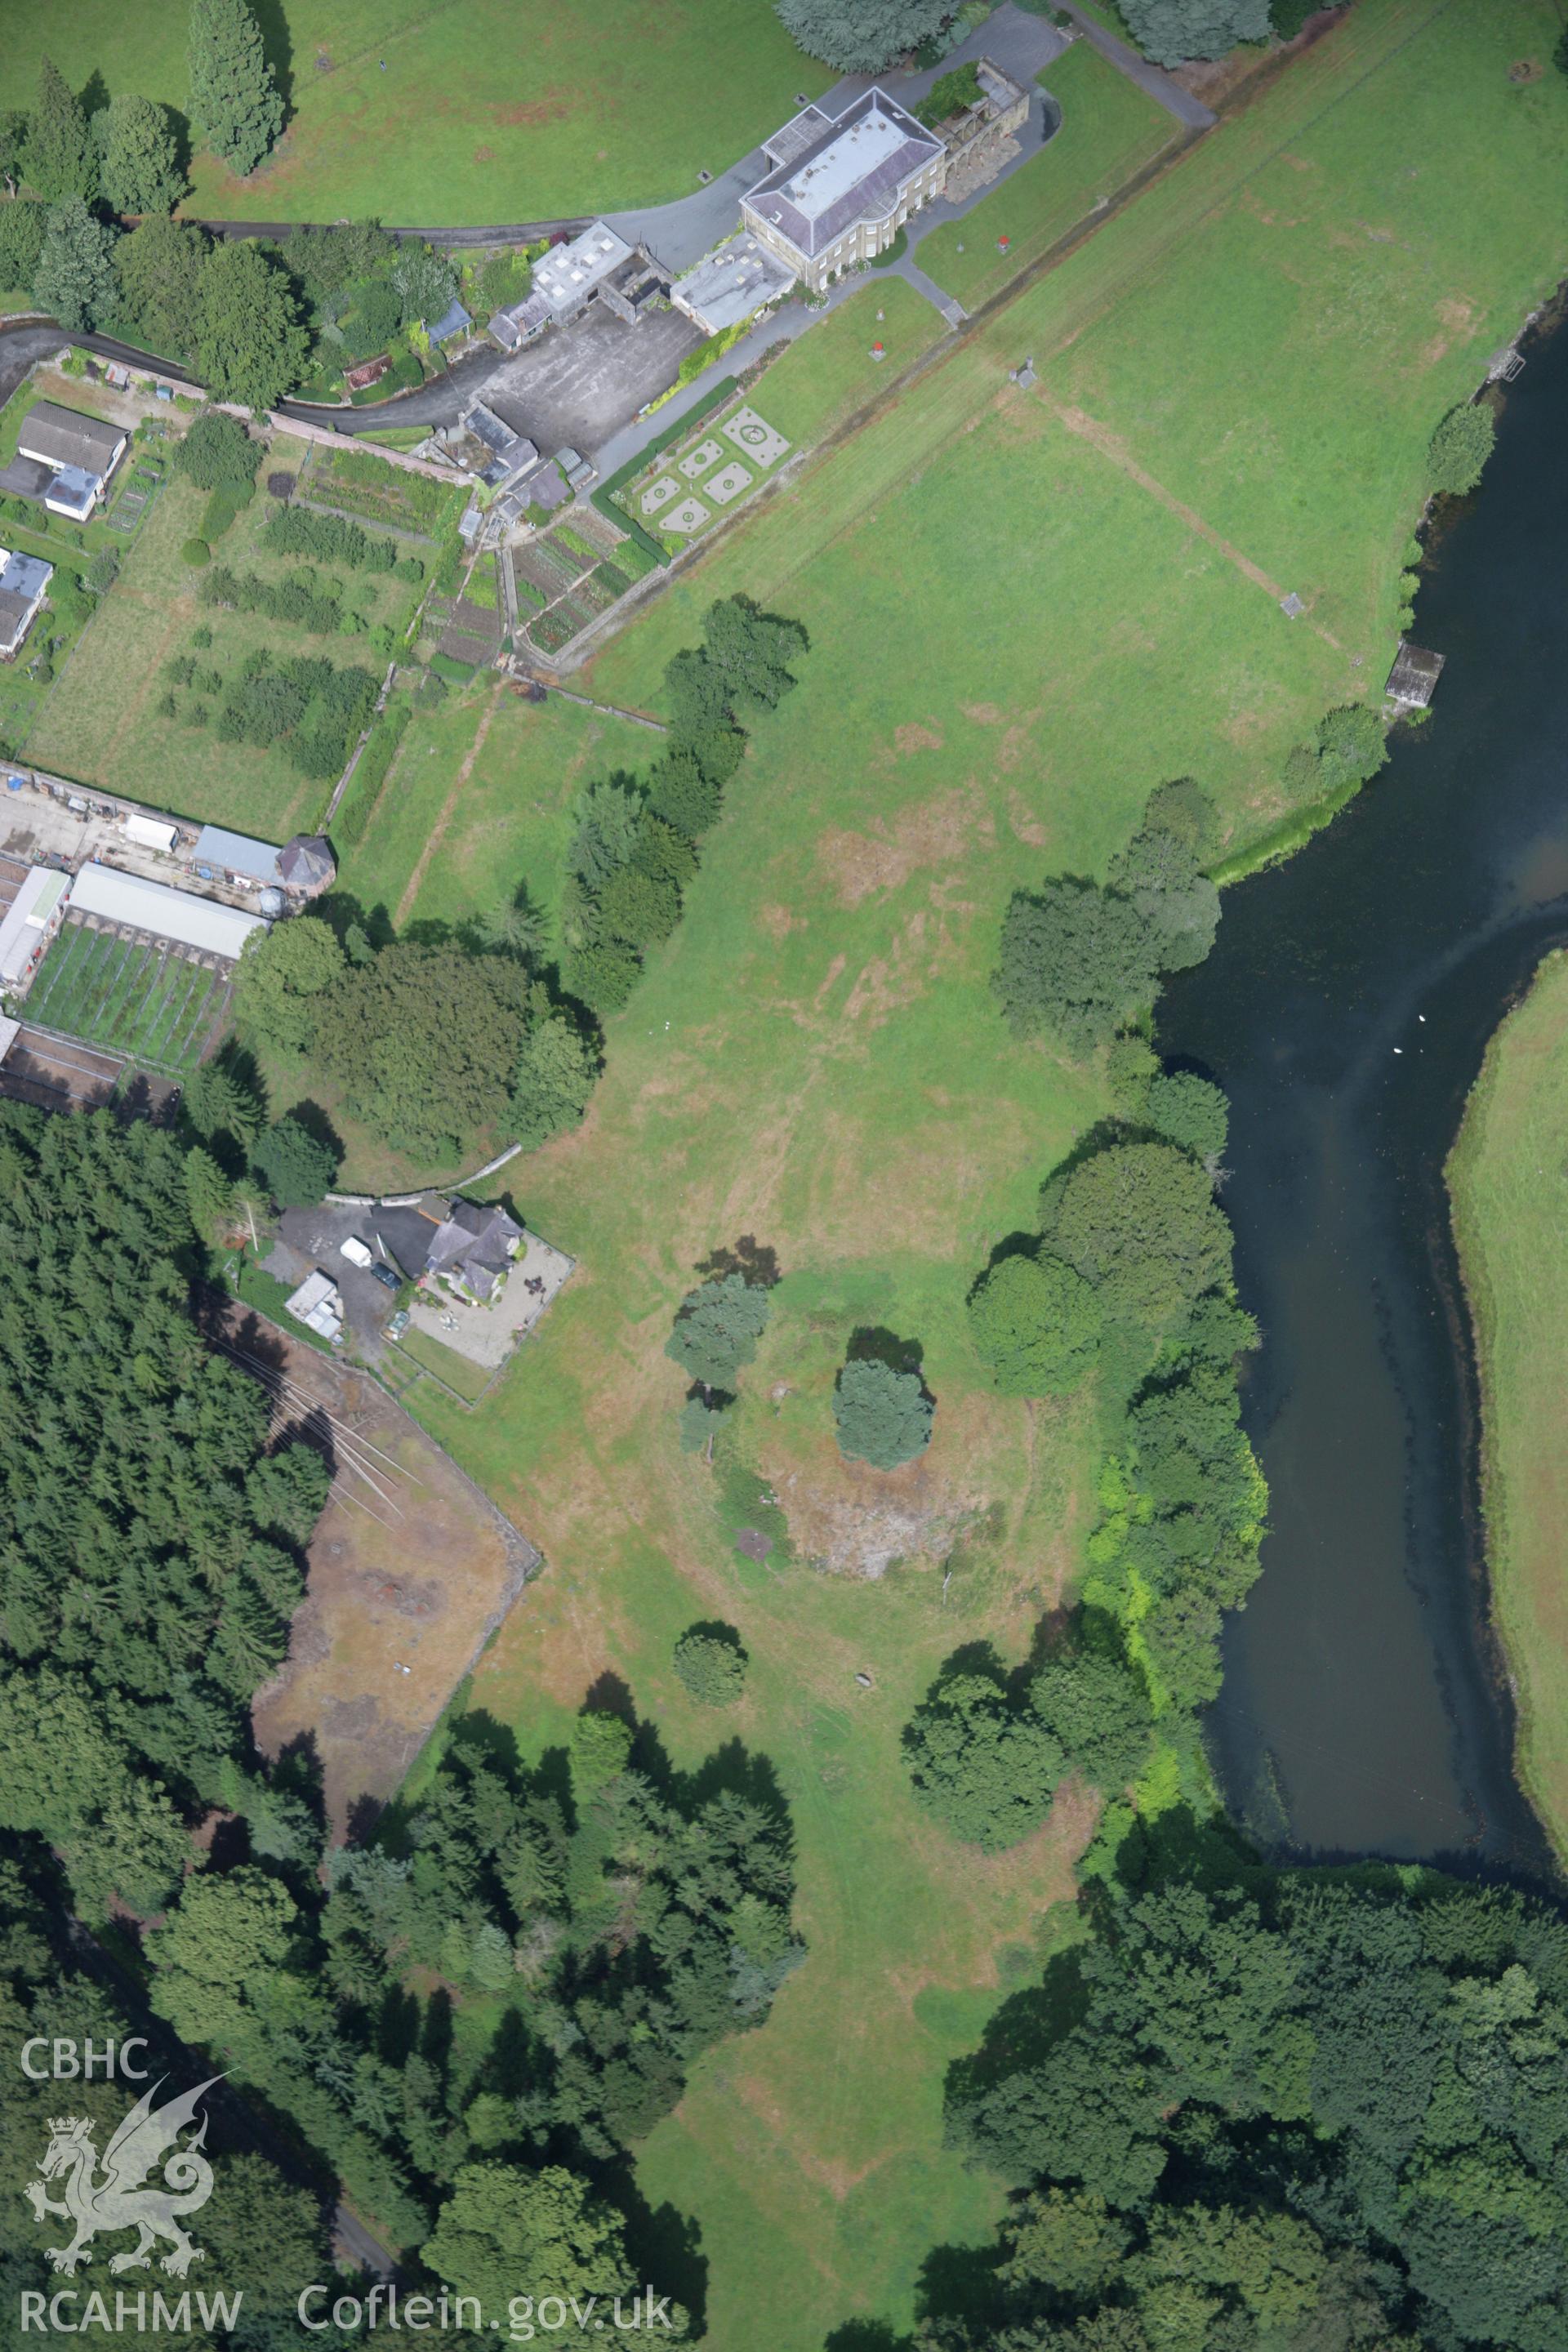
[{"x": 1346, "y": 1009}]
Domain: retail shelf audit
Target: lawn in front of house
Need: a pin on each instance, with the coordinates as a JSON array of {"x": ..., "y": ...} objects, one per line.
[
  {"x": 1507, "y": 1181},
  {"x": 830, "y": 371},
  {"x": 1109, "y": 131},
  {"x": 501, "y": 111},
  {"x": 101, "y": 724}
]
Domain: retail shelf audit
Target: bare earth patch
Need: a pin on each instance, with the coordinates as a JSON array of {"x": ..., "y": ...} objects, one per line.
[
  {"x": 419, "y": 1580},
  {"x": 937, "y": 832}
]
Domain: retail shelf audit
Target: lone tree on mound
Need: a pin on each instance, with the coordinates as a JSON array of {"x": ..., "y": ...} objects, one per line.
[
  {"x": 1459, "y": 448},
  {"x": 234, "y": 97},
  {"x": 884, "y": 1417},
  {"x": 718, "y": 1328},
  {"x": 711, "y": 1662}
]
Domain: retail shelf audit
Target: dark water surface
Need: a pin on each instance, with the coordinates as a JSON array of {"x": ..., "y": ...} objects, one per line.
[{"x": 1362, "y": 1678}]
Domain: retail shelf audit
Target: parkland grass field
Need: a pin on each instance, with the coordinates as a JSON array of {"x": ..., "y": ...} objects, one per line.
[
  {"x": 1025, "y": 610},
  {"x": 127, "y": 996},
  {"x": 1508, "y": 1178},
  {"x": 495, "y": 112}
]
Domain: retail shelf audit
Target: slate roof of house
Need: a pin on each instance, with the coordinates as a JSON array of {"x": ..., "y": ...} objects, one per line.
[
  {"x": 852, "y": 172},
  {"x": 475, "y": 1244},
  {"x": 23, "y": 579},
  {"x": 451, "y": 322},
  {"x": 62, "y": 437},
  {"x": 547, "y": 488},
  {"x": 523, "y": 318},
  {"x": 486, "y": 426},
  {"x": 306, "y": 862},
  {"x": 24, "y": 575}
]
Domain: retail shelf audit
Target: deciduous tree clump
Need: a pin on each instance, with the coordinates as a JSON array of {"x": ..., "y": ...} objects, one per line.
[
  {"x": 1036, "y": 1322},
  {"x": 1140, "y": 1223},
  {"x": 984, "y": 1765},
  {"x": 1084, "y": 960},
  {"x": 861, "y": 35},
  {"x": 634, "y": 849},
  {"x": 1171, "y": 31},
  {"x": 1261, "y": 2108}
]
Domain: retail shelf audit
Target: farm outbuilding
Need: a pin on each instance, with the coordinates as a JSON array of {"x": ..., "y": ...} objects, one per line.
[
  {"x": 1413, "y": 678},
  {"x": 166, "y": 913},
  {"x": 238, "y": 854},
  {"x": 81, "y": 452},
  {"x": 30, "y": 922}
]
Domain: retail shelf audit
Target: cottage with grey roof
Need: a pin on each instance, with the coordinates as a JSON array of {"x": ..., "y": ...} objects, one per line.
[
  {"x": 841, "y": 188},
  {"x": 23, "y": 579},
  {"x": 472, "y": 1249},
  {"x": 80, "y": 452}
]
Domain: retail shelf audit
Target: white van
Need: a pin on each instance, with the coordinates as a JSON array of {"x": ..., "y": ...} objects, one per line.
[{"x": 355, "y": 1251}]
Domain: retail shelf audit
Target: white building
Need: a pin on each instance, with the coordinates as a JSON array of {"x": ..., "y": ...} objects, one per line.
[
  {"x": 30, "y": 922},
  {"x": 81, "y": 452},
  {"x": 318, "y": 1305},
  {"x": 568, "y": 276},
  {"x": 842, "y": 187},
  {"x": 175, "y": 915},
  {"x": 23, "y": 579}
]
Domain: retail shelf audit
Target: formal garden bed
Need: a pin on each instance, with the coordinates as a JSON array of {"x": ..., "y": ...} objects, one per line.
[{"x": 567, "y": 578}]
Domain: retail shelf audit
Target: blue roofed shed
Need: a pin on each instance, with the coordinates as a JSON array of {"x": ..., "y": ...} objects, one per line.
[
  {"x": 235, "y": 853},
  {"x": 453, "y": 322}
]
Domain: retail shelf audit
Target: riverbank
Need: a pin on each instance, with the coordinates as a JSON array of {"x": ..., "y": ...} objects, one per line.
[{"x": 1508, "y": 1184}]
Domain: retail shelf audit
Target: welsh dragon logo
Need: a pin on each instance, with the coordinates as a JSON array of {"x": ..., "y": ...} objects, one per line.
[{"x": 114, "y": 2198}]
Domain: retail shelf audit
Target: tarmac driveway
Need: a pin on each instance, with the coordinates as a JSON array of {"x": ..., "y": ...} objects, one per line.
[{"x": 578, "y": 386}]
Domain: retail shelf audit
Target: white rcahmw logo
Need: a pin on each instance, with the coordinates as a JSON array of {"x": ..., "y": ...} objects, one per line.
[{"x": 114, "y": 2198}]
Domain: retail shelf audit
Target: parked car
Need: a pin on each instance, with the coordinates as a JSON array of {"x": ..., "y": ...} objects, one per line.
[
  {"x": 357, "y": 1252},
  {"x": 398, "y": 1325},
  {"x": 385, "y": 1273}
]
